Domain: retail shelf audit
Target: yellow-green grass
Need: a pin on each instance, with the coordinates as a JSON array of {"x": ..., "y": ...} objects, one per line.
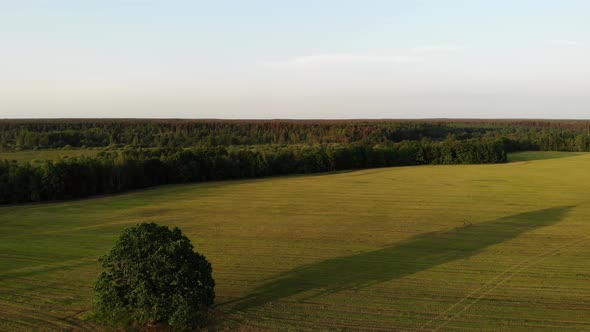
[
  {"x": 36, "y": 157},
  {"x": 460, "y": 247},
  {"x": 538, "y": 155}
]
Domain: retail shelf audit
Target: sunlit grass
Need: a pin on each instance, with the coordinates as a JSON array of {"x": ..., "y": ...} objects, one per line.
[
  {"x": 431, "y": 247},
  {"x": 539, "y": 155}
]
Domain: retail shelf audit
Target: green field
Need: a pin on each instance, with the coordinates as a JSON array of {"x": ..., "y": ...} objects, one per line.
[
  {"x": 38, "y": 156},
  {"x": 429, "y": 248},
  {"x": 539, "y": 155}
]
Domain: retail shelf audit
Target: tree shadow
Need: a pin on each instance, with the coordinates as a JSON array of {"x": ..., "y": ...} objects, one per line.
[{"x": 417, "y": 254}]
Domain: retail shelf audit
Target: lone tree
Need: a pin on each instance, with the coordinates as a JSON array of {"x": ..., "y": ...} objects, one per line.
[{"x": 153, "y": 276}]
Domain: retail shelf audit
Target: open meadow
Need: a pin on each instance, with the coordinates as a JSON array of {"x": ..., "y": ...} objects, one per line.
[
  {"x": 250, "y": 166},
  {"x": 36, "y": 157},
  {"x": 427, "y": 248}
]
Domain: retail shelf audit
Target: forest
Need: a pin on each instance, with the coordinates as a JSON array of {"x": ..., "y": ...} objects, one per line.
[
  {"x": 82, "y": 133},
  {"x": 142, "y": 153}
]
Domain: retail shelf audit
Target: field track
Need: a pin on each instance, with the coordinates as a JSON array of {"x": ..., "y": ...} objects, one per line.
[{"x": 430, "y": 248}]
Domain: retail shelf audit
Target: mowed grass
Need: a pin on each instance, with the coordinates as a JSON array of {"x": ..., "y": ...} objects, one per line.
[
  {"x": 37, "y": 157},
  {"x": 430, "y": 248},
  {"x": 539, "y": 155}
]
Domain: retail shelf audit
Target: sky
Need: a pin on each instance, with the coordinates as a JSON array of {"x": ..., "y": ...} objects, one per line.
[{"x": 295, "y": 59}]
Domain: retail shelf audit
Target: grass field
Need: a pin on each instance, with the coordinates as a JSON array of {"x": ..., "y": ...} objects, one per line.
[
  {"x": 539, "y": 155},
  {"x": 430, "y": 248},
  {"x": 38, "y": 156}
]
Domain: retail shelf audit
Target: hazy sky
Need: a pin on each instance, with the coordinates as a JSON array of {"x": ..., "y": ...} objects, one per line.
[{"x": 295, "y": 59}]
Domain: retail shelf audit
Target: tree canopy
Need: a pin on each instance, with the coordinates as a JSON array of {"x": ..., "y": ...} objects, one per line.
[
  {"x": 137, "y": 154},
  {"x": 130, "y": 169},
  {"x": 153, "y": 275}
]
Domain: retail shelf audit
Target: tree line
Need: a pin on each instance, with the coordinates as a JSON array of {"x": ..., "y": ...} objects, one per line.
[
  {"x": 170, "y": 134},
  {"x": 564, "y": 135},
  {"x": 119, "y": 171},
  {"x": 153, "y": 152}
]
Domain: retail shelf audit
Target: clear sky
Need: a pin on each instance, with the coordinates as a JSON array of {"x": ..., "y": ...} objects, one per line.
[{"x": 295, "y": 59}]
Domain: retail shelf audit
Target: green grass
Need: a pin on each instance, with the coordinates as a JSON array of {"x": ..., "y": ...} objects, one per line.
[
  {"x": 540, "y": 155},
  {"x": 487, "y": 247},
  {"x": 36, "y": 157}
]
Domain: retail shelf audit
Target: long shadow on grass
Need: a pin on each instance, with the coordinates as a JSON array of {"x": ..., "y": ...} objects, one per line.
[{"x": 417, "y": 254}]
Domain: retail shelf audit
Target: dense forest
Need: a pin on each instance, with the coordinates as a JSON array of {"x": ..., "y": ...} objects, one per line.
[
  {"x": 141, "y": 153},
  {"x": 43, "y": 134},
  {"x": 113, "y": 172}
]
